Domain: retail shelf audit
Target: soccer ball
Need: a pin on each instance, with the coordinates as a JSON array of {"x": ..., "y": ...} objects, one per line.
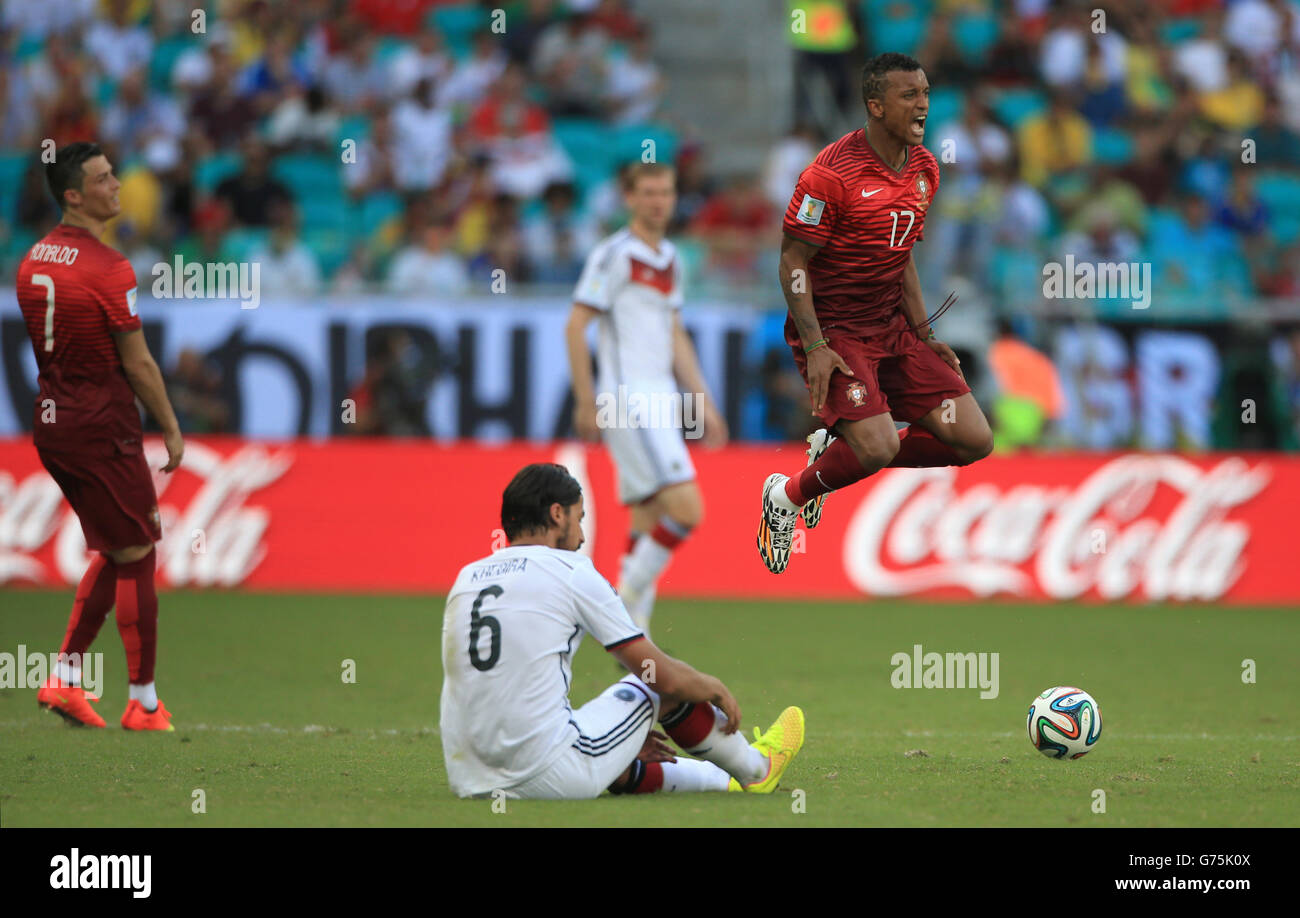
[{"x": 1064, "y": 722}]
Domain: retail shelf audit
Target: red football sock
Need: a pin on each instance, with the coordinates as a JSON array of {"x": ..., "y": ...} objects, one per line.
[
  {"x": 689, "y": 725},
  {"x": 647, "y": 779},
  {"x": 137, "y": 616},
  {"x": 835, "y": 468},
  {"x": 90, "y": 608},
  {"x": 919, "y": 449}
]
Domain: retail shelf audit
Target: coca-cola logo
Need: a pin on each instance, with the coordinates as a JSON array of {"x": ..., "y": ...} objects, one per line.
[
  {"x": 216, "y": 538},
  {"x": 915, "y": 531}
]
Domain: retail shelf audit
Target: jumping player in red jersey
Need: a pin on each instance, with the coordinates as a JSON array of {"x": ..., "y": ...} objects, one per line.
[
  {"x": 78, "y": 299},
  {"x": 857, "y": 323}
]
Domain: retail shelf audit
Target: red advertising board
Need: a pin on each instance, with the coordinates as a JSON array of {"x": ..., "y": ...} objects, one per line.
[{"x": 404, "y": 516}]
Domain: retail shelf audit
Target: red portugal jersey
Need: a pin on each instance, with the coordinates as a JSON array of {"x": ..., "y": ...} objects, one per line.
[
  {"x": 866, "y": 217},
  {"x": 75, "y": 292}
]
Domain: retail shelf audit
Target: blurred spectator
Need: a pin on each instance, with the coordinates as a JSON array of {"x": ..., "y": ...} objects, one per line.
[
  {"x": 1117, "y": 198},
  {"x": 376, "y": 165},
  {"x": 1023, "y": 215},
  {"x": 303, "y": 121},
  {"x": 355, "y": 77},
  {"x": 70, "y": 117},
  {"x": 526, "y": 27},
  {"x": 138, "y": 115},
  {"x": 557, "y": 240},
  {"x": 1198, "y": 260},
  {"x": 1154, "y": 166},
  {"x": 392, "y": 397},
  {"x": 1240, "y": 103},
  {"x": 217, "y": 108},
  {"x": 422, "y": 132},
  {"x": 252, "y": 192},
  {"x": 786, "y": 160},
  {"x": 569, "y": 62},
  {"x": 695, "y": 186},
  {"x": 1148, "y": 62},
  {"x": 1241, "y": 210},
  {"x": 946, "y": 63},
  {"x": 208, "y": 241},
  {"x": 117, "y": 44},
  {"x": 633, "y": 86},
  {"x": 826, "y": 71},
  {"x": 1259, "y": 27},
  {"x": 1055, "y": 142},
  {"x": 474, "y": 75},
  {"x": 735, "y": 224},
  {"x": 504, "y": 249},
  {"x": 1203, "y": 60},
  {"x": 979, "y": 143},
  {"x": 1071, "y": 54},
  {"x": 275, "y": 74},
  {"x": 613, "y": 18},
  {"x": 18, "y": 114},
  {"x": 394, "y": 17},
  {"x": 1011, "y": 60},
  {"x": 1029, "y": 392},
  {"x": 427, "y": 59},
  {"x": 1103, "y": 99},
  {"x": 516, "y": 135},
  {"x": 194, "y": 387},
  {"x": 427, "y": 265},
  {"x": 288, "y": 268},
  {"x": 1101, "y": 240},
  {"x": 37, "y": 211},
  {"x": 1275, "y": 143}
]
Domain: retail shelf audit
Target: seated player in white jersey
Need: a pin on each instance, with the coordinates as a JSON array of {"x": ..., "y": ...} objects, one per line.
[
  {"x": 512, "y": 624},
  {"x": 632, "y": 286}
]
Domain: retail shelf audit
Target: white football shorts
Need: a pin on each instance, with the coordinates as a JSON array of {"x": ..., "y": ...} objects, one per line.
[{"x": 612, "y": 728}]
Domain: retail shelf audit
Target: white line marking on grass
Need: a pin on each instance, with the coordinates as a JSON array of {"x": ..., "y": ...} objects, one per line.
[{"x": 272, "y": 728}]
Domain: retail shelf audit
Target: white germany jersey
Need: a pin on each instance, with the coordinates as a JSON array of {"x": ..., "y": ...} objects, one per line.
[
  {"x": 512, "y": 624},
  {"x": 638, "y": 290}
]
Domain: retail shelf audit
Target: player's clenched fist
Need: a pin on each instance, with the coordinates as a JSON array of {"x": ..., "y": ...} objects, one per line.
[{"x": 822, "y": 362}]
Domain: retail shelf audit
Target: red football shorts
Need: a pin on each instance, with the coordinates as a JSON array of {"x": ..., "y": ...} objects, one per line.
[
  {"x": 110, "y": 489},
  {"x": 894, "y": 372}
]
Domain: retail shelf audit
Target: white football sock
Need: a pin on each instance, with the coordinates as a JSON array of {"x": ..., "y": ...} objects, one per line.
[
  {"x": 688, "y": 775},
  {"x": 145, "y": 694},
  {"x": 731, "y": 753},
  {"x": 67, "y": 674},
  {"x": 645, "y": 563},
  {"x": 779, "y": 497}
]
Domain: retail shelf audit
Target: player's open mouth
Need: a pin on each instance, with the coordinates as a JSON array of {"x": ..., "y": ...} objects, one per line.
[{"x": 918, "y": 125}]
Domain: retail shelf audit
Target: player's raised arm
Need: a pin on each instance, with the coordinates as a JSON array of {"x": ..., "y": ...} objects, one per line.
[
  {"x": 584, "y": 390},
  {"x": 146, "y": 381},
  {"x": 675, "y": 681},
  {"x": 822, "y": 361}
]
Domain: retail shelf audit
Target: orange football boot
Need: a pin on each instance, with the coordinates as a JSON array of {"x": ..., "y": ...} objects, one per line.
[
  {"x": 71, "y": 702},
  {"x": 137, "y": 718}
]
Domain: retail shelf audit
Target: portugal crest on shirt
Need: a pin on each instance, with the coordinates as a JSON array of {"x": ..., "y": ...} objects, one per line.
[
  {"x": 857, "y": 393},
  {"x": 922, "y": 186}
]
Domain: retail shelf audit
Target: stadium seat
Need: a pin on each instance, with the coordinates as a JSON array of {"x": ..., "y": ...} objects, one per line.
[
  {"x": 1015, "y": 105},
  {"x": 586, "y": 142},
  {"x": 322, "y": 210},
  {"x": 1111, "y": 146},
  {"x": 1177, "y": 31},
  {"x": 12, "y": 168},
  {"x": 374, "y": 211},
  {"x": 900, "y": 30},
  {"x": 458, "y": 24},
  {"x": 163, "y": 60},
  {"x": 626, "y": 143},
  {"x": 975, "y": 35},
  {"x": 211, "y": 170},
  {"x": 241, "y": 242},
  {"x": 309, "y": 174},
  {"x": 1286, "y": 228},
  {"x": 1280, "y": 191},
  {"x": 330, "y": 246},
  {"x": 946, "y": 104}
]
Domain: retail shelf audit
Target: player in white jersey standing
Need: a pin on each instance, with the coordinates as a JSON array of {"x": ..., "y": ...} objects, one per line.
[
  {"x": 650, "y": 388},
  {"x": 512, "y": 625}
]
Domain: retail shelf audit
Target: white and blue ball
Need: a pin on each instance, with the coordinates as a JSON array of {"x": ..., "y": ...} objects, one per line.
[{"x": 1064, "y": 722}]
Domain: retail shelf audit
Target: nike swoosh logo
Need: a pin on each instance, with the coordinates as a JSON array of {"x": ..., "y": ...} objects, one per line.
[
  {"x": 867, "y": 194},
  {"x": 819, "y": 480}
]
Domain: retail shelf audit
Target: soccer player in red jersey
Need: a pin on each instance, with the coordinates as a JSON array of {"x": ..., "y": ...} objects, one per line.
[
  {"x": 857, "y": 323},
  {"x": 78, "y": 299}
]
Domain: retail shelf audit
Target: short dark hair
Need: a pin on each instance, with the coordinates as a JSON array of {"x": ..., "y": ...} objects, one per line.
[
  {"x": 635, "y": 171},
  {"x": 66, "y": 172},
  {"x": 873, "y": 72},
  {"x": 526, "y": 502}
]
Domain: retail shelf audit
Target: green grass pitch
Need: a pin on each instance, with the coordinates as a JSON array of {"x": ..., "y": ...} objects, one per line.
[{"x": 268, "y": 729}]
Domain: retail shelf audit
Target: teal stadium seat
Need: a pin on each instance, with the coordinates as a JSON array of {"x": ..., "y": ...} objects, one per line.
[
  {"x": 211, "y": 170},
  {"x": 946, "y": 104},
  {"x": 324, "y": 210},
  {"x": 899, "y": 29},
  {"x": 163, "y": 60},
  {"x": 309, "y": 174},
  {"x": 330, "y": 247},
  {"x": 586, "y": 143},
  {"x": 241, "y": 242},
  {"x": 374, "y": 210},
  {"x": 1111, "y": 146},
  {"x": 1176, "y": 31},
  {"x": 1015, "y": 105},
  {"x": 975, "y": 35},
  {"x": 627, "y": 142},
  {"x": 12, "y": 168},
  {"x": 458, "y": 23},
  {"x": 1280, "y": 191}
]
